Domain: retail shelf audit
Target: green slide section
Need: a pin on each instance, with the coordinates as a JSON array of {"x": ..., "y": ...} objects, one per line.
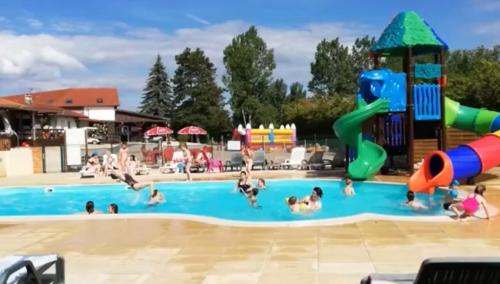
[
  {"x": 348, "y": 128},
  {"x": 469, "y": 118}
]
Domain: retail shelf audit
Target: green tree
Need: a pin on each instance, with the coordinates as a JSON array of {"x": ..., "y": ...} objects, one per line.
[
  {"x": 277, "y": 94},
  {"x": 332, "y": 70},
  {"x": 360, "y": 53},
  {"x": 157, "y": 98},
  {"x": 316, "y": 115},
  {"x": 249, "y": 66},
  {"x": 198, "y": 99},
  {"x": 297, "y": 92}
]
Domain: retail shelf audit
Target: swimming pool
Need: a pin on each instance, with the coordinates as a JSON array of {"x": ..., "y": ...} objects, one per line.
[{"x": 216, "y": 200}]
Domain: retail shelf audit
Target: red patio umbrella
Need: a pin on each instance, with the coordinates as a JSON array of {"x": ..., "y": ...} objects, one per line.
[
  {"x": 192, "y": 130},
  {"x": 159, "y": 130}
]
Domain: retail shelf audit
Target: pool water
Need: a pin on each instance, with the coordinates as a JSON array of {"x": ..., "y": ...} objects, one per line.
[{"x": 216, "y": 199}]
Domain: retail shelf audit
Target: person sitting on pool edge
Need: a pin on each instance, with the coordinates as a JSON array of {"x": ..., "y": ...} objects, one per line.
[
  {"x": 90, "y": 208},
  {"x": 156, "y": 197},
  {"x": 471, "y": 204},
  {"x": 113, "y": 208},
  {"x": 412, "y": 203},
  {"x": 349, "y": 189}
]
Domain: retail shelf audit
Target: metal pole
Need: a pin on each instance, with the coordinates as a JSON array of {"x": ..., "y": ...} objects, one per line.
[
  {"x": 33, "y": 127},
  {"x": 442, "y": 80},
  {"x": 409, "y": 112}
]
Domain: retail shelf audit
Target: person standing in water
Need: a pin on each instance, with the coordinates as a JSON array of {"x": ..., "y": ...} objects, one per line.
[{"x": 188, "y": 159}]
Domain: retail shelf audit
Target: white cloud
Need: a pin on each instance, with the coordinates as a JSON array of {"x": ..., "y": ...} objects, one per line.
[
  {"x": 198, "y": 19},
  {"x": 490, "y": 30},
  {"x": 45, "y": 61},
  {"x": 487, "y": 5},
  {"x": 34, "y": 23}
]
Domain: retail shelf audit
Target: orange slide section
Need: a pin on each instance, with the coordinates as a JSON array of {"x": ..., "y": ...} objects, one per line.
[{"x": 427, "y": 178}]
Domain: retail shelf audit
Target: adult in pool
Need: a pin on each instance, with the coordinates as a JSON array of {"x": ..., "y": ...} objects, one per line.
[
  {"x": 156, "y": 197},
  {"x": 90, "y": 208},
  {"x": 313, "y": 201},
  {"x": 113, "y": 208}
]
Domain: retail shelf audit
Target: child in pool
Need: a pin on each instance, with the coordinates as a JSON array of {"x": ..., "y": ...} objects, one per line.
[
  {"x": 349, "y": 189},
  {"x": 412, "y": 203},
  {"x": 261, "y": 184},
  {"x": 451, "y": 196},
  {"x": 471, "y": 204}
]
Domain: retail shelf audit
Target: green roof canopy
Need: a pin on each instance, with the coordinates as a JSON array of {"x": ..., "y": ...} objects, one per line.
[{"x": 407, "y": 29}]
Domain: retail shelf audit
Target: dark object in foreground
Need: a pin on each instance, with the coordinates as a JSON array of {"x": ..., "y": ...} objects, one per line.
[
  {"x": 32, "y": 269},
  {"x": 478, "y": 270}
]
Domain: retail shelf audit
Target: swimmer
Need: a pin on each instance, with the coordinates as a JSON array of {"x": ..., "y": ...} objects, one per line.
[
  {"x": 261, "y": 184},
  {"x": 314, "y": 203},
  {"x": 48, "y": 189},
  {"x": 349, "y": 189},
  {"x": 90, "y": 209},
  {"x": 412, "y": 203},
  {"x": 113, "y": 208},
  {"x": 156, "y": 197},
  {"x": 293, "y": 205},
  {"x": 317, "y": 191},
  {"x": 132, "y": 183}
]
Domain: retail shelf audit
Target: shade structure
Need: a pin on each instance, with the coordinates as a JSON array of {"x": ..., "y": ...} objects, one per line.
[
  {"x": 192, "y": 130},
  {"x": 406, "y": 30},
  {"x": 158, "y": 131}
]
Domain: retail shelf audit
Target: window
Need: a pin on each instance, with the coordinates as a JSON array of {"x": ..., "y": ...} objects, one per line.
[
  {"x": 99, "y": 100},
  {"x": 68, "y": 101},
  {"x": 69, "y": 124}
]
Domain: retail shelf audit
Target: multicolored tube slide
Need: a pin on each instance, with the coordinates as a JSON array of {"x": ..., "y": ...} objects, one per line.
[{"x": 441, "y": 168}]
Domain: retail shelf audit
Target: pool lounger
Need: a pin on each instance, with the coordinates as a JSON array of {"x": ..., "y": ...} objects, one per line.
[
  {"x": 32, "y": 269},
  {"x": 479, "y": 270}
]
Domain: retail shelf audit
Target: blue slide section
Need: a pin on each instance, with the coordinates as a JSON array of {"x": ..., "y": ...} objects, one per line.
[{"x": 465, "y": 161}]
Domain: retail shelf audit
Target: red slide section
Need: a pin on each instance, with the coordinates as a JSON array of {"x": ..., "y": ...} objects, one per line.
[{"x": 488, "y": 150}]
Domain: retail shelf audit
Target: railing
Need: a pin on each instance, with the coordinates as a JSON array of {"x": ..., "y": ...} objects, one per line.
[{"x": 427, "y": 101}]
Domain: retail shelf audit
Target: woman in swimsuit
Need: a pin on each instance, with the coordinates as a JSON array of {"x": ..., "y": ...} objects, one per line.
[
  {"x": 188, "y": 159},
  {"x": 247, "y": 155},
  {"x": 123, "y": 157},
  {"x": 244, "y": 184},
  {"x": 471, "y": 204}
]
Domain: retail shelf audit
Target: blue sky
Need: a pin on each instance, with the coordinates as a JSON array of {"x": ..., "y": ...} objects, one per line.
[{"x": 53, "y": 44}]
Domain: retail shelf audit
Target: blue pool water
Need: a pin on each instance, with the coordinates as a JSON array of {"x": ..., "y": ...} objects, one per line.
[{"x": 216, "y": 199}]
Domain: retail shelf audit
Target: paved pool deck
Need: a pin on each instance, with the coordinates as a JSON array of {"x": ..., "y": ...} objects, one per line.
[{"x": 175, "y": 251}]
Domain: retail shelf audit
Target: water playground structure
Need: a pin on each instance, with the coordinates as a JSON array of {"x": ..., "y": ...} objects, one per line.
[
  {"x": 394, "y": 111},
  {"x": 263, "y": 137}
]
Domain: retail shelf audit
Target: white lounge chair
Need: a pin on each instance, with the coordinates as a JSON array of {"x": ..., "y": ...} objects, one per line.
[
  {"x": 142, "y": 170},
  {"x": 32, "y": 269},
  {"x": 296, "y": 159},
  {"x": 171, "y": 167},
  {"x": 89, "y": 172}
]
